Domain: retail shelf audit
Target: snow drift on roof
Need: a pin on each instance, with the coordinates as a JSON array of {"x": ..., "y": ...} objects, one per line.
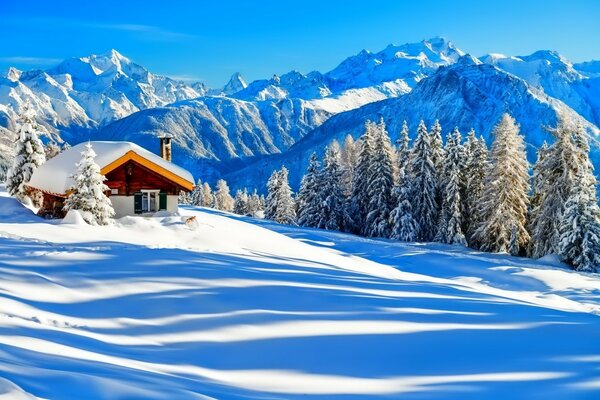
[{"x": 54, "y": 176}]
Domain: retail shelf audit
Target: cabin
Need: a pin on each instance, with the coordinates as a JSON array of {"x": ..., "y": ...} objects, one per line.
[{"x": 140, "y": 182}]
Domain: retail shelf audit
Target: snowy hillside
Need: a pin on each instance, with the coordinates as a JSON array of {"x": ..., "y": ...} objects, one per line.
[
  {"x": 467, "y": 94},
  {"x": 235, "y": 308}
]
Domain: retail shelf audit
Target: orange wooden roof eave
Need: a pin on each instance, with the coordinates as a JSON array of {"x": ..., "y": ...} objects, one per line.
[{"x": 132, "y": 155}]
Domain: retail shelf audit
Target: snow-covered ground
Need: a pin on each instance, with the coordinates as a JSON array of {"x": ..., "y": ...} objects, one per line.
[{"x": 235, "y": 308}]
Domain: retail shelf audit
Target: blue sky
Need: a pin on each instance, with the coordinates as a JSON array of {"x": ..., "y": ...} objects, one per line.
[{"x": 210, "y": 40}]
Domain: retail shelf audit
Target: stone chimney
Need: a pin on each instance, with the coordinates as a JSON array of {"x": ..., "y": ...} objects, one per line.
[{"x": 165, "y": 146}]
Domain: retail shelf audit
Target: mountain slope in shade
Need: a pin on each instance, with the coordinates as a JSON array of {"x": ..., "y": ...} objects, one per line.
[
  {"x": 216, "y": 129},
  {"x": 578, "y": 86},
  {"x": 467, "y": 94}
]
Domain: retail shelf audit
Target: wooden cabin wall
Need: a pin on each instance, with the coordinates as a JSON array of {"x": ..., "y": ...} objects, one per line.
[{"x": 132, "y": 177}]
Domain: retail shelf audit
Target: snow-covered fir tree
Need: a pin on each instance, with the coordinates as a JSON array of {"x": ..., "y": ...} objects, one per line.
[
  {"x": 222, "y": 197},
  {"x": 255, "y": 207},
  {"x": 380, "y": 186},
  {"x": 241, "y": 202},
  {"x": 450, "y": 225},
  {"x": 349, "y": 161},
  {"x": 308, "y": 200},
  {"x": 207, "y": 196},
  {"x": 579, "y": 229},
  {"x": 197, "y": 195},
  {"x": 279, "y": 205},
  {"x": 422, "y": 174},
  {"x": 403, "y": 147},
  {"x": 505, "y": 197},
  {"x": 554, "y": 172},
  {"x": 404, "y": 225},
  {"x": 331, "y": 200},
  {"x": 359, "y": 199},
  {"x": 29, "y": 154},
  {"x": 474, "y": 176},
  {"x": 88, "y": 193},
  {"x": 184, "y": 198},
  {"x": 437, "y": 146}
]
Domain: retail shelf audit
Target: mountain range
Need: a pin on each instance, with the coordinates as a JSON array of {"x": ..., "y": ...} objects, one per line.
[{"x": 243, "y": 131}]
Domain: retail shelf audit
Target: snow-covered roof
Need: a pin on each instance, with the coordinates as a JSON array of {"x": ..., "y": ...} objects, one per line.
[{"x": 54, "y": 176}]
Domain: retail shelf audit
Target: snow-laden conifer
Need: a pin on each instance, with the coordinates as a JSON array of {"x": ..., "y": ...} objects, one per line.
[
  {"x": 450, "y": 224},
  {"x": 404, "y": 225},
  {"x": 505, "y": 197},
  {"x": 197, "y": 195},
  {"x": 330, "y": 209},
  {"x": 241, "y": 202},
  {"x": 280, "y": 206},
  {"x": 554, "y": 176},
  {"x": 222, "y": 197},
  {"x": 422, "y": 174},
  {"x": 359, "y": 199},
  {"x": 308, "y": 200},
  {"x": 579, "y": 229},
  {"x": 88, "y": 193},
  {"x": 29, "y": 154},
  {"x": 403, "y": 148},
  {"x": 207, "y": 196},
  {"x": 437, "y": 146},
  {"x": 474, "y": 176},
  {"x": 381, "y": 184}
]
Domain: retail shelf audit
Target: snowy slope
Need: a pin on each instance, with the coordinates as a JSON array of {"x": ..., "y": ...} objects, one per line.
[
  {"x": 235, "y": 308},
  {"x": 467, "y": 94}
]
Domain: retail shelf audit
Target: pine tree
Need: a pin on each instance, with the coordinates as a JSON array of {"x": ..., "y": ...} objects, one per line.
[
  {"x": 254, "y": 204},
  {"x": 381, "y": 184},
  {"x": 197, "y": 195},
  {"x": 280, "y": 206},
  {"x": 554, "y": 173},
  {"x": 330, "y": 210},
  {"x": 88, "y": 194},
  {"x": 361, "y": 179},
  {"x": 29, "y": 156},
  {"x": 349, "y": 161},
  {"x": 207, "y": 196},
  {"x": 308, "y": 196},
  {"x": 475, "y": 181},
  {"x": 184, "y": 198},
  {"x": 222, "y": 198},
  {"x": 241, "y": 202},
  {"x": 404, "y": 225},
  {"x": 437, "y": 147},
  {"x": 423, "y": 175},
  {"x": 403, "y": 147},
  {"x": 505, "y": 197},
  {"x": 450, "y": 224},
  {"x": 579, "y": 229}
]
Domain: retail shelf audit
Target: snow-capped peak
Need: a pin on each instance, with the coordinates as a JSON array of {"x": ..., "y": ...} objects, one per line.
[
  {"x": 12, "y": 74},
  {"x": 468, "y": 59},
  {"x": 235, "y": 84}
]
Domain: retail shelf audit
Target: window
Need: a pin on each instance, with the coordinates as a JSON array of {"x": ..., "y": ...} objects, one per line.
[{"x": 149, "y": 201}]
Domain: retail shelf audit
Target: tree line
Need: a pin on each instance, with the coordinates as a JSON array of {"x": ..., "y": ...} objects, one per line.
[{"x": 455, "y": 191}]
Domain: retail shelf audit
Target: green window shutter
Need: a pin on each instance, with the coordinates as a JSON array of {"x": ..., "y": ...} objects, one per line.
[
  {"x": 137, "y": 203},
  {"x": 162, "y": 203}
]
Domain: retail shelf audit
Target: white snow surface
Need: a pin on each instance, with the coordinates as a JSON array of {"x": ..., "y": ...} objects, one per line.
[
  {"x": 55, "y": 175},
  {"x": 238, "y": 308}
]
